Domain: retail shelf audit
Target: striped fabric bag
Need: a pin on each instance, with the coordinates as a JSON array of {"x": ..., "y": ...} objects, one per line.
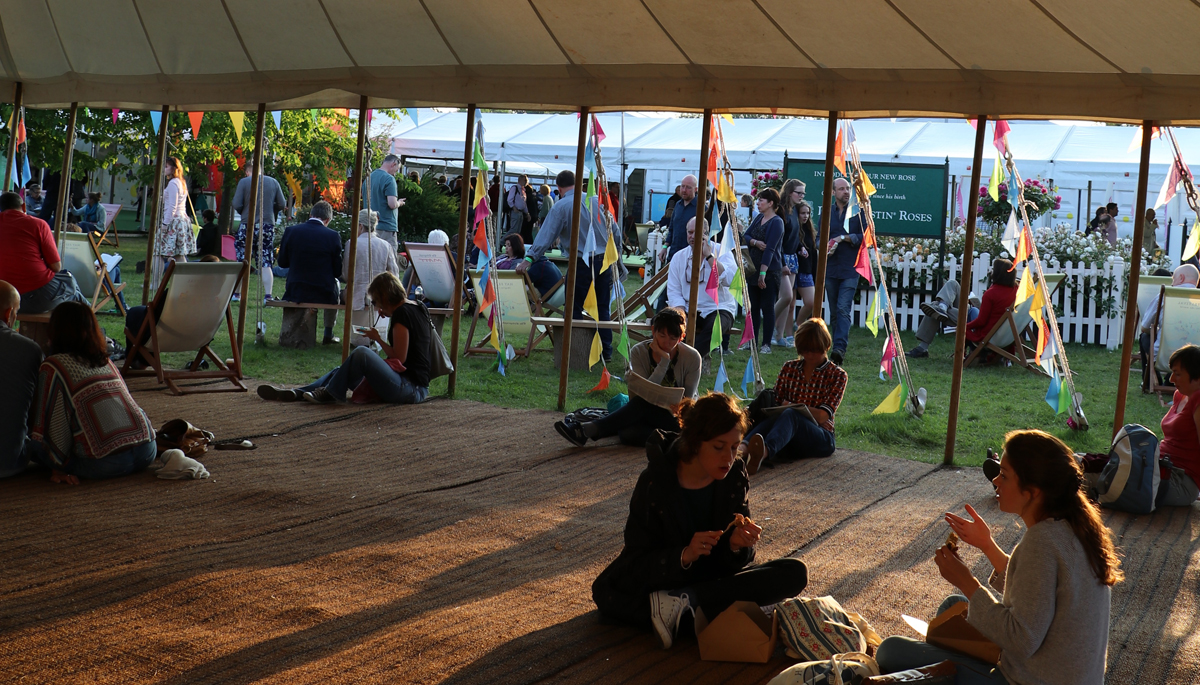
[{"x": 816, "y": 628}]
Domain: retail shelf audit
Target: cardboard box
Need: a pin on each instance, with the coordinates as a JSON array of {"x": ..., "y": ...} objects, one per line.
[
  {"x": 951, "y": 631},
  {"x": 741, "y": 633}
]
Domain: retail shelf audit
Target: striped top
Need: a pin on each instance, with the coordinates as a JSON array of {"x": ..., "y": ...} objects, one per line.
[
  {"x": 85, "y": 412},
  {"x": 823, "y": 391}
]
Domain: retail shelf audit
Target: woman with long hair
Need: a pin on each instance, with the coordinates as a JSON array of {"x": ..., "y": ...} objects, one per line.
[
  {"x": 400, "y": 378},
  {"x": 174, "y": 238},
  {"x": 689, "y": 539},
  {"x": 764, "y": 238},
  {"x": 1051, "y": 620},
  {"x": 806, "y": 263},
  {"x": 85, "y": 422},
  {"x": 791, "y": 198}
]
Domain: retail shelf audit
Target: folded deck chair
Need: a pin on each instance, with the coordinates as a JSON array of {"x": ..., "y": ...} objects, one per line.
[
  {"x": 194, "y": 299},
  {"x": 1178, "y": 324},
  {"x": 640, "y": 305},
  {"x": 108, "y": 233},
  {"x": 1007, "y": 332},
  {"x": 80, "y": 255}
]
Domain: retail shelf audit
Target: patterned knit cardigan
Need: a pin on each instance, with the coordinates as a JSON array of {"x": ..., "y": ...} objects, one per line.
[{"x": 85, "y": 412}]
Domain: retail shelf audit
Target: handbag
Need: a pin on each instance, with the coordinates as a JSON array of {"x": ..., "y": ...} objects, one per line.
[
  {"x": 178, "y": 434},
  {"x": 816, "y": 628},
  {"x": 195, "y": 220},
  {"x": 853, "y": 668},
  {"x": 439, "y": 358}
]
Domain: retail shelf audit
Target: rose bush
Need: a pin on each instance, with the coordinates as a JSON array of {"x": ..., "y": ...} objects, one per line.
[{"x": 1040, "y": 198}]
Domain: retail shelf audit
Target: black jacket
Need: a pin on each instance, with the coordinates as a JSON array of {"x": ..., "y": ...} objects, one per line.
[
  {"x": 807, "y": 265},
  {"x": 657, "y": 532}
]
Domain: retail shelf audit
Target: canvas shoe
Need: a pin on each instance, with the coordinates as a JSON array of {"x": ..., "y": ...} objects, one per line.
[
  {"x": 918, "y": 353},
  {"x": 837, "y": 356},
  {"x": 765, "y": 349},
  {"x": 273, "y": 394},
  {"x": 666, "y": 610},
  {"x": 572, "y": 431},
  {"x": 756, "y": 452},
  {"x": 937, "y": 310},
  {"x": 319, "y": 396}
]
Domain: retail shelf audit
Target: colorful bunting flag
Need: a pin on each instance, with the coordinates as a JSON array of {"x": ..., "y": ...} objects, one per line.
[
  {"x": 623, "y": 343},
  {"x": 1193, "y": 244},
  {"x": 748, "y": 333},
  {"x": 862, "y": 264},
  {"x": 894, "y": 401},
  {"x": 1052, "y": 391},
  {"x": 196, "y": 118},
  {"x": 278, "y": 117},
  {"x": 1000, "y": 137},
  {"x": 238, "y": 119},
  {"x": 1011, "y": 233},
  {"x": 839, "y": 153},
  {"x": 480, "y": 161},
  {"x": 495, "y": 337},
  {"x": 1024, "y": 247},
  {"x": 500, "y": 361},
  {"x": 115, "y": 112},
  {"x": 594, "y": 355},
  {"x": 711, "y": 286},
  {"x": 889, "y": 354},
  {"x": 155, "y": 120},
  {"x": 735, "y": 289},
  {"x": 610, "y": 253},
  {"x": 1026, "y": 288},
  {"x": 717, "y": 335},
  {"x": 994, "y": 183},
  {"x": 722, "y": 378},
  {"x": 868, "y": 187},
  {"x": 590, "y": 303},
  {"x": 293, "y": 185},
  {"x": 509, "y": 353},
  {"x": 605, "y": 378},
  {"x": 725, "y": 192},
  {"x": 480, "y": 239},
  {"x": 1137, "y": 137},
  {"x": 748, "y": 376},
  {"x": 1064, "y": 398},
  {"x": 873, "y": 313}
]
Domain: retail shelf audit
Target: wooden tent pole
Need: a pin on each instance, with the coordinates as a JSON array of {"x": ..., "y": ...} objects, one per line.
[
  {"x": 564, "y": 362},
  {"x": 355, "y": 207},
  {"x": 826, "y": 203},
  {"x": 18, "y": 93},
  {"x": 968, "y": 260},
  {"x": 155, "y": 196},
  {"x": 251, "y": 217},
  {"x": 64, "y": 181},
  {"x": 1135, "y": 264},
  {"x": 460, "y": 267},
  {"x": 699, "y": 236}
]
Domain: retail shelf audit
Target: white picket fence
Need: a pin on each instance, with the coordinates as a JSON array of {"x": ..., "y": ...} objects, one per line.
[{"x": 914, "y": 282}]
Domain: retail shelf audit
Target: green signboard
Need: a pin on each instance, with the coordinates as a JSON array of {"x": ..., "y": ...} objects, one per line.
[{"x": 910, "y": 199}]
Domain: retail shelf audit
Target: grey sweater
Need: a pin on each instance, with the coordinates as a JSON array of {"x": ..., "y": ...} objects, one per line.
[
  {"x": 687, "y": 366},
  {"x": 1052, "y": 623}
]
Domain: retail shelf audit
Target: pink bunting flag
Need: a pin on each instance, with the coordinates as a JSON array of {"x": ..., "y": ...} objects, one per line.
[
  {"x": 114, "y": 114},
  {"x": 597, "y": 130},
  {"x": 862, "y": 264},
  {"x": 889, "y": 354},
  {"x": 711, "y": 286},
  {"x": 748, "y": 334},
  {"x": 1000, "y": 139}
]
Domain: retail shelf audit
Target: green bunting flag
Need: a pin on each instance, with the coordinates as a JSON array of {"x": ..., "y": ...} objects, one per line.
[
  {"x": 480, "y": 161},
  {"x": 623, "y": 343}
]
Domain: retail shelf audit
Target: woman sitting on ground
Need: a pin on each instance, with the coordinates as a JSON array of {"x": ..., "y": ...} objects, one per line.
[
  {"x": 1051, "y": 622},
  {"x": 402, "y": 379},
  {"x": 85, "y": 423},
  {"x": 813, "y": 381},
  {"x": 664, "y": 359},
  {"x": 689, "y": 541}
]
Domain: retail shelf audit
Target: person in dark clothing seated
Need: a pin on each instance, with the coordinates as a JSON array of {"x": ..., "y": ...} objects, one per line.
[
  {"x": 944, "y": 310},
  {"x": 208, "y": 242},
  {"x": 689, "y": 540},
  {"x": 312, "y": 254},
  {"x": 543, "y": 273},
  {"x": 401, "y": 378}
]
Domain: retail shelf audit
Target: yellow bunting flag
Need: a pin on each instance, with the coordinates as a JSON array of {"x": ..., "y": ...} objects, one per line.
[
  {"x": 293, "y": 185},
  {"x": 1025, "y": 290},
  {"x": 610, "y": 253},
  {"x": 481, "y": 189},
  {"x": 725, "y": 190},
  {"x": 1024, "y": 246},
  {"x": 729, "y": 117},
  {"x": 589, "y": 303},
  {"x": 238, "y": 119},
  {"x": 495, "y": 341},
  {"x": 867, "y": 185},
  {"x": 873, "y": 315},
  {"x": 1193, "y": 244},
  {"x": 892, "y": 403},
  {"x": 1041, "y": 339},
  {"x": 594, "y": 355},
  {"x": 994, "y": 183}
]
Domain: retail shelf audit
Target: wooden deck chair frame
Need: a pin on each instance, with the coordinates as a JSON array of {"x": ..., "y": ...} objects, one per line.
[
  {"x": 1021, "y": 354},
  {"x": 533, "y": 307},
  {"x": 1156, "y": 335},
  {"x": 645, "y": 296},
  {"x": 104, "y": 290},
  {"x": 151, "y": 352},
  {"x": 110, "y": 223}
]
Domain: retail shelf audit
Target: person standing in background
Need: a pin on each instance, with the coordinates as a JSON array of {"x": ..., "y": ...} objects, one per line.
[
  {"x": 270, "y": 203},
  {"x": 1150, "y": 234},
  {"x": 1110, "y": 228},
  {"x": 547, "y": 202},
  {"x": 517, "y": 207},
  {"x": 384, "y": 199},
  {"x": 174, "y": 238}
]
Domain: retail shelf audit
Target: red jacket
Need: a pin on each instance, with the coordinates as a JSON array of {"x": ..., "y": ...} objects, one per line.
[{"x": 995, "y": 300}]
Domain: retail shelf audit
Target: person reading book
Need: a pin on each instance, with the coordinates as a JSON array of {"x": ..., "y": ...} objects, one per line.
[
  {"x": 813, "y": 381},
  {"x": 1051, "y": 620},
  {"x": 663, "y": 360},
  {"x": 689, "y": 539}
]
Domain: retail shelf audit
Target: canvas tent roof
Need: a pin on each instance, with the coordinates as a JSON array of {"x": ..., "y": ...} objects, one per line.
[{"x": 1010, "y": 58}]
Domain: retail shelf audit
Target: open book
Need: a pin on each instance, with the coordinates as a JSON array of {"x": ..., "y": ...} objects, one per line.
[
  {"x": 774, "y": 412},
  {"x": 110, "y": 261},
  {"x": 653, "y": 392}
]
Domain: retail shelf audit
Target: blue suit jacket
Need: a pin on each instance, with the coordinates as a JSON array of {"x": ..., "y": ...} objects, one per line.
[{"x": 312, "y": 254}]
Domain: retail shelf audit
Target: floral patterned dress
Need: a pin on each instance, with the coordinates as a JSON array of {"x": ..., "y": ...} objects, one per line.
[{"x": 175, "y": 236}]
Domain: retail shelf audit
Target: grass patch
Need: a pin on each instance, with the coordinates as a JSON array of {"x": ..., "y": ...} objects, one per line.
[{"x": 993, "y": 400}]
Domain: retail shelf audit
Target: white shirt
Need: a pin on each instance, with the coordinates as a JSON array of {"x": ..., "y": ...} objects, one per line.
[
  {"x": 368, "y": 264},
  {"x": 175, "y": 197},
  {"x": 679, "y": 289}
]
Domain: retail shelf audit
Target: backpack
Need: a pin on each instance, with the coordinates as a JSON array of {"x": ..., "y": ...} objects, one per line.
[{"x": 1131, "y": 478}]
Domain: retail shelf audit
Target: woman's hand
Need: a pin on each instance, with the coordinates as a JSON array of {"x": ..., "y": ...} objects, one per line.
[
  {"x": 702, "y": 545},
  {"x": 744, "y": 536},
  {"x": 952, "y": 568},
  {"x": 762, "y": 281},
  {"x": 373, "y": 335},
  {"x": 803, "y": 251},
  {"x": 975, "y": 532}
]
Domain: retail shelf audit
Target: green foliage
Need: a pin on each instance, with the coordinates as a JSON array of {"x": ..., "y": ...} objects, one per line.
[{"x": 425, "y": 208}]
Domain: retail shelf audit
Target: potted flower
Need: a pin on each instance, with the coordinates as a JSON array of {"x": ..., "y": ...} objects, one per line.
[{"x": 1039, "y": 196}]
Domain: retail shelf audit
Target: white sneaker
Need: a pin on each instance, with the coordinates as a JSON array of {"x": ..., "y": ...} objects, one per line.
[
  {"x": 765, "y": 349},
  {"x": 666, "y": 610}
]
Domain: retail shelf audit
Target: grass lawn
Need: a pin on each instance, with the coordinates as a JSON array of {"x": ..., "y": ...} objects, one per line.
[{"x": 994, "y": 400}]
